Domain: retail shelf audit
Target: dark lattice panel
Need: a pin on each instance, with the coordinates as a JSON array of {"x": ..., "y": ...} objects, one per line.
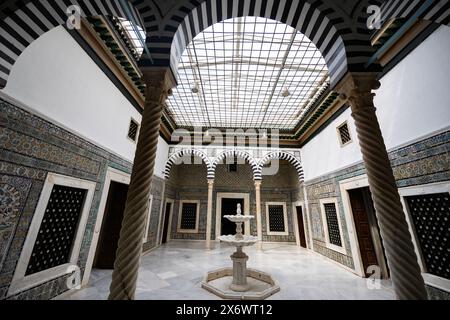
[
  {"x": 431, "y": 217},
  {"x": 276, "y": 218},
  {"x": 188, "y": 216},
  {"x": 333, "y": 224},
  {"x": 56, "y": 235},
  {"x": 344, "y": 134},
  {"x": 133, "y": 129}
]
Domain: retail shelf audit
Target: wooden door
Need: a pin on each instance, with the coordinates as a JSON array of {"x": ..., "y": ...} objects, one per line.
[
  {"x": 166, "y": 222},
  {"x": 363, "y": 229},
  {"x": 301, "y": 226},
  {"x": 112, "y": 222}
]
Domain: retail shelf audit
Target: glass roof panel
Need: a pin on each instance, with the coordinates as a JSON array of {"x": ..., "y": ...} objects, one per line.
[
  {"x": 247, "y": 72},
  {"x": 136, "y": 35}
]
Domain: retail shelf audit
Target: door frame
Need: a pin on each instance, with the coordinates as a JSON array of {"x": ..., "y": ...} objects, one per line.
[
  {"x": 169, "y": 226},
  {"x": 295, "y": 222},
  {"x": 350, "y": 184},
  {"x": 147, "y": 223},
  {"x": 111, "y": 175},
  {"x": 158, "y": 240},
  {"x": 345, "y": 185},
  {"x": 231, "y": 195}
]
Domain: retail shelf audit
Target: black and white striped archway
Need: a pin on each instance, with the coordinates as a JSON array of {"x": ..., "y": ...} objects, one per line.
[
  {"x": 188, "y": 152},
  {"x": 306, "y": 16},
  {"x": 22, "y": 22},
  {"x": 282, "y": 155},
  {"x": 337, "y": 28},
  {"x": 236, "y": 154},
  {"x": 437, "y": 11}
]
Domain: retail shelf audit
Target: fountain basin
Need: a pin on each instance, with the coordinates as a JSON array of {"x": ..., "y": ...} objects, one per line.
[
  {"x": 239, "y": 282},
  {"x": 244, "y": 242},
  {"x": 261, "y": 284}
]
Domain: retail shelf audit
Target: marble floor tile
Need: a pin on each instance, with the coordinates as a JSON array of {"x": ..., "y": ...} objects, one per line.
[
  {"x": 175, "y": 271},
  {"x": 167, "y": 275}
]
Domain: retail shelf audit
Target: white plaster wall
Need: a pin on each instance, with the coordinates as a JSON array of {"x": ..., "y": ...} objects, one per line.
[
  {"x": 413, "y": 102},
  {"x": 324, "y": 153},
  {"x": 55, "y": 77},
  {"x": 414, "y": 98},
  {"x": 162, "y": 154}
]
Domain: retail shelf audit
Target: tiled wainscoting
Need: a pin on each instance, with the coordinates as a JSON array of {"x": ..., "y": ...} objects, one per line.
[
  {"x": 30, "y": 149},
  {"x": 423, "y": 162}
]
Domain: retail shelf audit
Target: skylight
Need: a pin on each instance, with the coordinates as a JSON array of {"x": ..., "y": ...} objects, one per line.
[
  {"x": 136, "y": 35},
  {"x": 247, "y": 72}
]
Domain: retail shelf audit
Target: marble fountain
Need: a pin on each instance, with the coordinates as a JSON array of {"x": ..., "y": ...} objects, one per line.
[{"x": 240, "y": 282}]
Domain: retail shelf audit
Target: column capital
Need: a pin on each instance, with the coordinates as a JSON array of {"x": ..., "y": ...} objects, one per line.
[
  {"x": 356, "y": 88},
  {"x": 258, "y": 183},
  {"x": 210, "y": 182},
  {"x": 159, "y": 83}
]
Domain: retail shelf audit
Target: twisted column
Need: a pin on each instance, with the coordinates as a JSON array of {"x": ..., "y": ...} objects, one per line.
[
  {"x": 258, "y": 214},
  {"x": 209, "y": 213},
  {"x": 405, "y": 271},
  {"x": 129, "y": 250}
]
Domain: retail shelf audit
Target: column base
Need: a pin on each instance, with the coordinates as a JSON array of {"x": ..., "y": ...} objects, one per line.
[{"x": 239, "y": 287}]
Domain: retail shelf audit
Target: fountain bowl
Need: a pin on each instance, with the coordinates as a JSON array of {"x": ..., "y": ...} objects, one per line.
[
  {"x": 244, "y": 242},
  {"x": 239, "y": 218}
]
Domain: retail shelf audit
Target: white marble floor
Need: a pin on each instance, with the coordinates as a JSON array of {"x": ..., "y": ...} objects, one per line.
[{"x": 175, "y": 271}]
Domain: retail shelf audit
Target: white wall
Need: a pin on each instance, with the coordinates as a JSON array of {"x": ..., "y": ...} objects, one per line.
[
  {"x": 414, "y": 98},
  {"x": 162, "y": 154},
  {"x": 55, "y": 77},
  {"x": 413, "y": 101},
  {"x": 324, "y": 153}
]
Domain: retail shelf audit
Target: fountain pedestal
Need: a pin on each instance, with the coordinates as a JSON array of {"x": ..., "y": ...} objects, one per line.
[
  {"x": 239, "y": 283},
  {"x": 261, "y": 285}
]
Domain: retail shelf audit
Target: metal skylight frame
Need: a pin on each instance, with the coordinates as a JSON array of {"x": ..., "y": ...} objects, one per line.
[
  {"x": 135, "y": 32},
  {"x": 234, "y": 73}
]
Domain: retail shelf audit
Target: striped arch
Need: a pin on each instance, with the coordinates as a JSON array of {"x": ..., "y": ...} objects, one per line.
[
  {"x": 238, "y": 154},
  {"x": 437, "y": 11},
  {"x": 188, "y": 152},
  {"x": 282, "y": 155},
  {"x": 32, "y": 19},
  {"x": 318, "y": 24}
]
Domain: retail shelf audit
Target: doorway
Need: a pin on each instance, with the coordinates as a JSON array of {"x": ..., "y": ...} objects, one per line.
[
  {"x": 301, "y": 226},
  {"x": 367, "y": 231},
  {"x": 112, "y": 222},
  {"x": 167, "y": 218},
  {"x": 245, "y": 207},
  {"x": 229, "y": 207}
]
